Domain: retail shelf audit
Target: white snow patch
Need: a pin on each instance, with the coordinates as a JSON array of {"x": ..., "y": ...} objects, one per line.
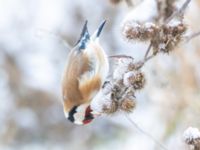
[
  {"x": 191, "y": 134},
  {"x": 126, "y": 78},
  {"x": 162, "y": 46},
  {"x": 174, "y": 23},
  {"x": 122, "y": 67},
  {"x": 100, "y": 101},
  {"x": 145, "y": 11}
]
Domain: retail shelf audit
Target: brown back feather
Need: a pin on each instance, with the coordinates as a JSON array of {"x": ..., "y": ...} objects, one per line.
[{"x": 77, "y": 65}]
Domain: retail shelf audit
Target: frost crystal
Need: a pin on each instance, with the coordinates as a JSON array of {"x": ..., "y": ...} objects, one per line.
[
  {"x": 101, "y": 99},
  {"x": 174, "y": 23},
  {"x": 143, "y": 12},
  {"x": 191, "y": 135},
  {"x": 127, "y": 77},
  {"x": 122, "y": 67},
  {"x": 162, "y": 46}
]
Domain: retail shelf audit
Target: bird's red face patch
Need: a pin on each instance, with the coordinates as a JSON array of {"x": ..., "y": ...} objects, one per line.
[
  {"x": 87, "y": 121},
  {"x": 88, "y": 116}
]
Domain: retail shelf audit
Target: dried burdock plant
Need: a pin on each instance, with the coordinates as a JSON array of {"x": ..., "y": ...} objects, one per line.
[
  {"x": 169, "y": 37},
  {"x": 164, "y": 31},
  {"x": 191, "y": 137},
  {"x": 141, "y": 32},
  {"x": 163, "y": 26},
  {"x": 128, "y": 103},
  {"x": 127, "y": 78},
  {"x": 119, "y": 92}
]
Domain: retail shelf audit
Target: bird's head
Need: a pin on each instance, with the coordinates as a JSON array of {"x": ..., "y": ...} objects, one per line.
[{"x": 81, "y": 114}]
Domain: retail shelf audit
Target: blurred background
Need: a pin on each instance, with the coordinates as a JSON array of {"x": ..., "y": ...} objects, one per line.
[{"x": 32, "y": 59}]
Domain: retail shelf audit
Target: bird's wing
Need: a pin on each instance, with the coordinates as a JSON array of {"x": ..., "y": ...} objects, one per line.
[{"x": 79, "y": 80}]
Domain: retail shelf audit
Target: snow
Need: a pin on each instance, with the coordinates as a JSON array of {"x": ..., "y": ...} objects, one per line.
[
  {"x": 174, "y": 23},
  {"x": 126, "y": 78},
  {"x": 162, "y": 46},
  {"x": 103, "y": 98},
  {"x": 191, "y": 134},
  {"x": 41, "y": 61},
  {"x": 145, "y": 11},
  {"x": 149, "y": 25},
  {"x": 121, "y": 68}
]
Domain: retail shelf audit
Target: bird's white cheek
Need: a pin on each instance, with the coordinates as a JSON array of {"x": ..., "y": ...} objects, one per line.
[{"x": 78, "y": 118}]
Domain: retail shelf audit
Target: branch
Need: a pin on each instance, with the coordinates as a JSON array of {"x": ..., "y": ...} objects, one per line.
[
  {"x": 120, "y": 56},
  {"x": 193, "y": 35},
  {"x": 145, "y": 133},
  {"x": 150, "y": 57},
  {"x": 179, "y": 12},
  {"x": 129, "y": 3},
  {"x": 147, "y": 52}
]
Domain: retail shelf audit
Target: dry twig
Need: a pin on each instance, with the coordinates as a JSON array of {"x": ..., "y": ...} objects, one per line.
[
  {"x": 178, "y": 13},
  {"x": 144, "y": 132},
  {"x": 192, "y": 36}
]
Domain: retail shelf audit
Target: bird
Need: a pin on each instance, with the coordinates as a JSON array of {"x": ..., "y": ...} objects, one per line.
[{"x": 85, "y": 72}]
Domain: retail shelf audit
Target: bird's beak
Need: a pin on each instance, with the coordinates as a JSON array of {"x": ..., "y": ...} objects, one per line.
[
  {"x": 98, "y": 31},
  {"x": 85, "y": 36}
]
